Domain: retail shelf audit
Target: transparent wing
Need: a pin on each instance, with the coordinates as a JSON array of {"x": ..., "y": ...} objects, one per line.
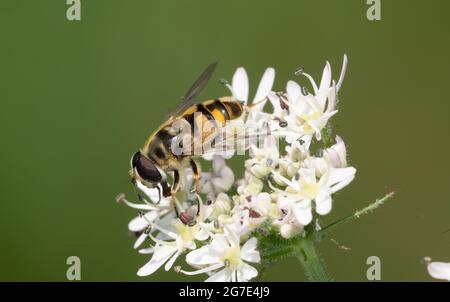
[
  {"x": 189, "y": 99},
  {"x": 233, "y": 138},
  {"x": 237, "y": 141}
]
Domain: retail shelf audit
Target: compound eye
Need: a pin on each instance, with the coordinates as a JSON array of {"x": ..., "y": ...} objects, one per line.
[{"x": 145, "y": 168}]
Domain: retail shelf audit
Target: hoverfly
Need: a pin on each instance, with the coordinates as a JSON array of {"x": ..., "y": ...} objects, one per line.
[{"x": 157, "y": 153}]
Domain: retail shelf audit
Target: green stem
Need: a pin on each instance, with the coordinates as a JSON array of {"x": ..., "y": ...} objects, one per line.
[
  {"x": 312, "y": 263},
  {"x": 370, "y": 208},
  {"x": 327, "y": 137}
]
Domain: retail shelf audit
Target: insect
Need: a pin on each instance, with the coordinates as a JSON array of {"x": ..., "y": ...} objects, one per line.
[{"x": 191, "y": 119}]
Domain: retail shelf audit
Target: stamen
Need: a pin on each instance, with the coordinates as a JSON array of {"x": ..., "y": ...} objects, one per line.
[
  {"x": 223, "y": 82},
  {"x": 299, "y": 71},
  {"x": 148, "y": 230},
  {"x": 168, "y": 233},
  {"x": 313, "y": 83},
  {"x": 216, "y": 224},
  {"x": 120, "y": 198},
  {"x": 226, "y": 84},
  {"x": 162, "y": 242},
  {"x": 283, "y": 124},
  {"x": 203, "y": 270},
  {"x": 305, "y": 91}
]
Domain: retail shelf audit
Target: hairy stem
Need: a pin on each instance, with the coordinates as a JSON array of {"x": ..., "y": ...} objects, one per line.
[
  {"x": 313, "y": 265},
  {"x": 370, "y": 208}
]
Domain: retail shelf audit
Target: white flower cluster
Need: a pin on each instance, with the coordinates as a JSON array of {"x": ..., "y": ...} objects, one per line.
[{"x": 282, "y": 190}]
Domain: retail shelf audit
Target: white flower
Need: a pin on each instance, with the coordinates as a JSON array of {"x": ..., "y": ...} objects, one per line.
[
  {"x": 297, "y": 152},
  {"x": 149, "y": 213},
  {"x": 309, "y": 113},
  {"x": 239, "y": 221},
  {"x": 263, "y": 160},
  {"x": 219, "y": 180},
  {"x": 224, "y": 259},
  {"x": 221, "y": 206},
  {"x": 250, "y": 185},
  {"x": 167, "y": 252},
  {"x": 288, "y": 224},
  {"x": 335, "y": 156},
  {"x": 263, "y": 204},
  {"x": 439, "y": 270},
  {"x": 304, "y": 188},
  {"x": 249, "y": 213},
  {"x": 289, "y": 230},
  {"x": 175, "y": 239}
]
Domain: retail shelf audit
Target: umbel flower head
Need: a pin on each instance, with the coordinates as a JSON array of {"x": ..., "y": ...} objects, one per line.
[{"x": 286, "y": 187}]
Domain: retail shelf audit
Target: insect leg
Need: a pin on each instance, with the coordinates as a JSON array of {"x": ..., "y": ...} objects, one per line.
[
  {"x": 199, "y": 202},
  {"x": 159, "y": 193},
  {"x": 176, "y": 183},
  {"x": 196, "y": 172},
  {"x": 165, "y": 189}
]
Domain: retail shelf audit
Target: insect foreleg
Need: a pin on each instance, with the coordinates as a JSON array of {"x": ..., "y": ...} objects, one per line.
[{"x": 197, "y": 174}]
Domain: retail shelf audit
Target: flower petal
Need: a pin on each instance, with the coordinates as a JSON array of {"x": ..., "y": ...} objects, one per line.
[
  {"x": 140, "y": 240},
  {"x": 221, "y": 276},
  {"x": 240, "y": 85},
  {"x": 139, "y": 223},
  {"x": 309, "y": 175},
  {"x": 160, "y": 256},
  {"x": 249, "y": 252},
  {"x": 325, "y": 83},
  {"x": 246, "y": 272},
  {"x": 342, "y": 76},
  {"x": 153, "y": 193},
  {"x": 232, "y": 237},
  {"x": 323, "y": 203},
  {"x": 201, "y": 256},
  {"x": 340, "y": 177},
  {"x": 264, "y": 88},
  {"x": 339, "y": 174},
  {"x": 302, "y": 212},
  {"x": 439, "y": 270},
  {"x": 148, "y": 250},
  {"x": 293, "y": 91},
  {"x": 172, "y": 260}
]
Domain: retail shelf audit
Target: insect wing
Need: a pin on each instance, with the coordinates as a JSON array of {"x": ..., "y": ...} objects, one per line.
[{"x": 189, "y": 99}]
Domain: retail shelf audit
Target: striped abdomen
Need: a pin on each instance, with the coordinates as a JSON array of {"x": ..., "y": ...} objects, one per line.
[{"x": 217, "y": 111}]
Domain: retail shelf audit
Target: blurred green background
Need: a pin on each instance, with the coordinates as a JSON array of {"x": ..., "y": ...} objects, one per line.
[{"x": 78, "y": 98}]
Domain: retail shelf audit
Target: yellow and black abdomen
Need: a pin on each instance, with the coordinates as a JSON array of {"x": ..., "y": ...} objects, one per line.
[
  {"x": 206, "y": 119},
  {"x": 217, "y": 111},
  {"x": 224, "y": 109}
]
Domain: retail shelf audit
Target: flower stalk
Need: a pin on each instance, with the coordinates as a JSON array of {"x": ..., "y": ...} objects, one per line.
[{"x": 311, "y": 261}]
